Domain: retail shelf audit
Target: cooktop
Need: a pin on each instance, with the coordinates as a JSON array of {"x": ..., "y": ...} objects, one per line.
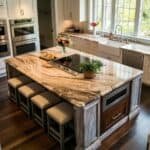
[{"x": 72, "y": 62}]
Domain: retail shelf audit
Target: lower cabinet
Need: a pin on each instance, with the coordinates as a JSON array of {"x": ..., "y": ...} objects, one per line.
[
  {"x": 146, "y": 69},
  {"x": 2, "y": 68},
  {"x": 97, "y": 49},
  {"x": 114, "y": 114},
  {"x": 114, "y": 107}
]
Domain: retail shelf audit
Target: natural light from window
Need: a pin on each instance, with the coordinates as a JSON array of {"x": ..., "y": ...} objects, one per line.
[{"x": 133, "y": 16}]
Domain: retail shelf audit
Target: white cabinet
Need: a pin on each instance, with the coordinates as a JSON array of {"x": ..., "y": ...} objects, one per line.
[
  {"x": 2, "y": 68},
  {"x": 75, "y": 10},
  {"x": 3, "y": 9},
  {"x": 146, "y": 68},
  {"x": 21, "y": 8},
  {"x": 68, "y": 9}
]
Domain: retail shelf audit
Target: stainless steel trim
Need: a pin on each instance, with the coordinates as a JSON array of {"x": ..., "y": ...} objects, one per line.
[
  {"x": 7, "y": 53},
  {"x": 22, "y": 21},
  {"x": 3, "y": 23},
  {"x": 105, "y": 98},
  {"x": 15, "y": 44},
  {"x": 21, "y": 25}
]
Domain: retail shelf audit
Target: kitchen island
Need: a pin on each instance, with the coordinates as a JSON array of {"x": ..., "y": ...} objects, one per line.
[{"x": 101, "y": 105}]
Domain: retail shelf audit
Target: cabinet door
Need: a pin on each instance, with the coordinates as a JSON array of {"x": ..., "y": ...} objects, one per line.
[
  {"x": 2, "y": 68},
  {"x": 20, "y": 8},
  {"x": 27, "y": 6},
  {"x": 146, "y": 68},
  {"x": 68, "y": 9},
  {"x": 3, "y": 9}
]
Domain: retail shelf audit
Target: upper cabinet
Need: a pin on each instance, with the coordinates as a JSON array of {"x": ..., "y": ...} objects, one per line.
[
  {"x": 3, "y": 9},
  {"x": 21, "y": 8},
  {"x": 75, "y": 10}
]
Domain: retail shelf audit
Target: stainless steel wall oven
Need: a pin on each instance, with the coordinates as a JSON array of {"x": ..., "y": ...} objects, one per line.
[
  {"x": 4, "y": 43},
  {"x": 22, "y": 47},
  {"x": 3, "y": 30},
  {"x": 24, "y": 37},
  {"x": 22, "y": 29}
]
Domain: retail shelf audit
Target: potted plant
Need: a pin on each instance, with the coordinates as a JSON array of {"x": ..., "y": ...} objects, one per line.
[
  {"x": 90, "y": 68},
  {"x": 63, "y": 40}
]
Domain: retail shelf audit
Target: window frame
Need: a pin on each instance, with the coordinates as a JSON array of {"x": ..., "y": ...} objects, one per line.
[{"x": 138, "y": 17}]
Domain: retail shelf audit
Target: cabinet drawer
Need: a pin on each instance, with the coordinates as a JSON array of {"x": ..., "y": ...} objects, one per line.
[{"x": 114, "y": 114}]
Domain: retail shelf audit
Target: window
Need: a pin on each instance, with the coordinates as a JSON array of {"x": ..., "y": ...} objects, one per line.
[
  {"x": 145, "y": 23},
  {"x": 125, "y": 15},
  {"x": 132, "y": 16},
  {"x": 107, "y": 4}
]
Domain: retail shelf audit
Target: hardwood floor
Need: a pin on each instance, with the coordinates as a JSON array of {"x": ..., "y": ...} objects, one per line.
[{"x": 17, "y": 132}]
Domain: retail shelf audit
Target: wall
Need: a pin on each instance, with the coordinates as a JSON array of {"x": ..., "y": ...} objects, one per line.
[{"x": 78, "y": 11}]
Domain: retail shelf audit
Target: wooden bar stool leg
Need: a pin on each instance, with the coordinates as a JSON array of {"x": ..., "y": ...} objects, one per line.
[{"x": 61, "y": 127}]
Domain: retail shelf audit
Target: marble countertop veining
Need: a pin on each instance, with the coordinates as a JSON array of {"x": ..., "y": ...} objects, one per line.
[{"x": 74, "y": 88}]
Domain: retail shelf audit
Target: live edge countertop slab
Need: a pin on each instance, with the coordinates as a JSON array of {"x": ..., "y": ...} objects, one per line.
[{"x": 73, "y": 88}]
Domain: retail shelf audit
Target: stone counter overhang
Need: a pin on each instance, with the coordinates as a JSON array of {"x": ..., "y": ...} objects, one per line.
[{"x": 73, "y": 88}]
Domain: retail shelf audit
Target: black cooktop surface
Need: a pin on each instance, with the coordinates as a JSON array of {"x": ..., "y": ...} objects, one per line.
[{"x": 72, "y": 62}]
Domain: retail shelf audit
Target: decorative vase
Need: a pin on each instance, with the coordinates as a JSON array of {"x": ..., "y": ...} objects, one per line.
[
  {"x": 64, "y": 49},
  {"x": 94, "y": 31},
  {"x": 89, "y": 75}
]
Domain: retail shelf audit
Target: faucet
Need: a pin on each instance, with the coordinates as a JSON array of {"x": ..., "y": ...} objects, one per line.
[{"x": 118, "y": 28}]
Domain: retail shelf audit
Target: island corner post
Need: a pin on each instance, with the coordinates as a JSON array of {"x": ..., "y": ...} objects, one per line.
[{"x": 87, "y": 126}]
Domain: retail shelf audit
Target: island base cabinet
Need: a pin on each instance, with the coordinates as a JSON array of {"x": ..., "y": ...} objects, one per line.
[{"x": 87, "y": 126}]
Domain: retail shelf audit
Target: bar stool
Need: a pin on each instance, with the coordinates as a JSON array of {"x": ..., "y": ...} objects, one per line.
[
  {"x": 14, "y": 84},
  {"x": 25, "y": 93},
  {"x": 40, "y": 103},
  {"x": 59, "y": 118}
]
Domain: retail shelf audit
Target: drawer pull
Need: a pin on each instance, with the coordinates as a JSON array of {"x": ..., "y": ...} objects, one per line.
[{"x": 117, "y": 116}]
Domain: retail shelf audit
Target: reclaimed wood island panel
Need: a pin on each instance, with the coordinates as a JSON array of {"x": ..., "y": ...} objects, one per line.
[{"x": 101, "y": 105}]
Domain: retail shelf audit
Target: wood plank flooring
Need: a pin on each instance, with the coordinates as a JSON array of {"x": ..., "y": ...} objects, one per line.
[{"x": 17, "y": 132}]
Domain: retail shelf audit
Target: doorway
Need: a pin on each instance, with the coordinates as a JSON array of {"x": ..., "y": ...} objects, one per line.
[{"x": 45, "y": 18}]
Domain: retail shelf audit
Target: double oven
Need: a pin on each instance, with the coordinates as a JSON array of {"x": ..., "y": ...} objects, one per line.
[
  {"x": 4, "y": 43},
  {"x": 24, "y": 36}
]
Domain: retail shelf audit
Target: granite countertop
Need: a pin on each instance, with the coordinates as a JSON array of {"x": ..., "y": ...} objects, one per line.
[
  {"x": 73, "y": 88},
  {"x": 136, "y": 47}
]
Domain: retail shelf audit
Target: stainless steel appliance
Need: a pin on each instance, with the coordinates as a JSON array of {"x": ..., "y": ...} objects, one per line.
[
  {"x": 24, "y": 37},
  {"x": 25, "y": 46},
  {"x": 3, "y": 29},
  {"x": 4, "y": 43},
  {"x": 22, "y": 29},
  {"x": 72, "y": 63},
  {"x": 4, "y": 48}
]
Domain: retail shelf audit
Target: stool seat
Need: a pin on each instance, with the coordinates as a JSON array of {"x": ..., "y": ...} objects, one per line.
[
  {"x": 44, "y": 100},
  {"x": 30, "y": 89},
  {"x": 18, "y": 81},
  {"x": 62, "y": 113}
]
